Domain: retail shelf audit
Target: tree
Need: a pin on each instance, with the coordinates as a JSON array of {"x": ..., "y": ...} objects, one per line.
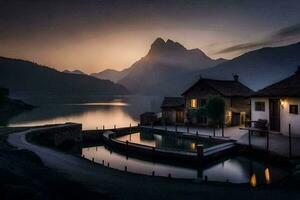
[{"x": 215, "y": 110}]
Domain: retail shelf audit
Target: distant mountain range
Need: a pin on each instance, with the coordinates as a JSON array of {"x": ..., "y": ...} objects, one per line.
[
  {"x": 165, "y": 60},
  {"x": 169, "y": 68},
  {"x": 110, "y": 74},
  {"x": 73, "y": 72},
  {"x": 30, "y": 78},
  {"x": 256, "y": 69}
]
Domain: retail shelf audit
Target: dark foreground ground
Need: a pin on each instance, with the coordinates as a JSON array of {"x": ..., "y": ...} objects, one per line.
[{"x": 24, "y": 176}]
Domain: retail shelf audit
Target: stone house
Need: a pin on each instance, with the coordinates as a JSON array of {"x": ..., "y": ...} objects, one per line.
[{"x": 235, "y": 94}]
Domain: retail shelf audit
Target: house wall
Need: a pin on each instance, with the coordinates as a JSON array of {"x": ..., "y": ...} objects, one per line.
[
  {"x": 169, "y": 116},
  {"x": 285, "y": 117},
  {"x": 199, "y": 92},
  {"x": 256, "y": 115},
  {"x": 241, "y": 104}
]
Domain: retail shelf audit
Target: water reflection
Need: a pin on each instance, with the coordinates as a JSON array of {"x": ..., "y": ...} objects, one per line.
[
  {"x": 91, "y": 111},
  {"x": 234, "y": 170},
  {"x": 160, "y": 141}
]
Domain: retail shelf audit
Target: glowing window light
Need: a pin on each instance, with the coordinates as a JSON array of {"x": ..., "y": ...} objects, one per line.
[
  {"x": 267, "y": 176},
  {"x": 193, "y": 146},
  {"x": 253, "y": 181},
  {"x": 193, "y": 103}
]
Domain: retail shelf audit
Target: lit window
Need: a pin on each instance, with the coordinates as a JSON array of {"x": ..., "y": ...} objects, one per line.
[
  {"x": 259, "y": 106},
  {"x": 294, "y": 109},
  {"x": 193, "y": 103}
]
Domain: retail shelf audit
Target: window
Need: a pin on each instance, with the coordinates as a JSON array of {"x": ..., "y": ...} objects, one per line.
[
  {"x": 294, "y": 109},
  {"x": 194, "y": 103},
  {"x": 259, "y": 106},
  {"x": 202, "y": 102}
]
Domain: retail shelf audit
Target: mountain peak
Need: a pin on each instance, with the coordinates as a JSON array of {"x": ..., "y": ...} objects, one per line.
[{"x": 160, "y": 46}]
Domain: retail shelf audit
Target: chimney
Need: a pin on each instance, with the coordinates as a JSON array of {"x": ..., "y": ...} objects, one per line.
[{"x": 235, "y": 77}]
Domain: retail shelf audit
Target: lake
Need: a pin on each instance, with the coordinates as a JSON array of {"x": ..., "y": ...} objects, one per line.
[{"x": 91, "y": 111}]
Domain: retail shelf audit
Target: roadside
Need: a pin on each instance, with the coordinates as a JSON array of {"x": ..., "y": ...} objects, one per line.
[{"x": 120, "y": 185}]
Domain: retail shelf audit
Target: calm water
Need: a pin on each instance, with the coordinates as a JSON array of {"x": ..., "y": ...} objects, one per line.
[
  {"x": 163, "y": 141},
  {"x": 91, "y": 111},
  {"x": 235, "y": 170}
]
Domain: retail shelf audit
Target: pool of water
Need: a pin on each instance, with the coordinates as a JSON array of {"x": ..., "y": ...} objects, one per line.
[
  {"x": 237, "y": 169},
  {"x": 165, "y": 141}
]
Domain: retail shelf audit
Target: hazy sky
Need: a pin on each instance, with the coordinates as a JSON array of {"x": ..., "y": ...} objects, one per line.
[{"x": 92, "y": 35}]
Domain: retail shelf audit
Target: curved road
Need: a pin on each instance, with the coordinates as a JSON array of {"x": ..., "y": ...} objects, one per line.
[{"x": 121, "y": 185}]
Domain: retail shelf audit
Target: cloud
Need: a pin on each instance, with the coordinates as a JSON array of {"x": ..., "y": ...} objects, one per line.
[{"x": 283, "y": 35}]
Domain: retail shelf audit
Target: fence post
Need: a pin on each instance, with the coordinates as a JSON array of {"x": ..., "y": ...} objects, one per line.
[
  {"x": 249, "y": 138},
  {"x": 222, "y": 129},
  {"x": 103, "y": 127},
  {"x": 214, "y": 131},
  {"x": 268, "y": 139},
  {"x": 290, "y": 141},
  {"x": 175, "y": 127}
]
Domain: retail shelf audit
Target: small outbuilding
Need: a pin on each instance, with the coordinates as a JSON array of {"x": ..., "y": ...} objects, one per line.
[{"x": 173, "y": 110}]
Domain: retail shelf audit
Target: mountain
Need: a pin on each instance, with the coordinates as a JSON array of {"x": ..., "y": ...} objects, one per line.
[
  {"x": 112, "y": 75},
  {"x": 30, "y": 78},
  {"x": 165, "y": 60},
  {"x": 256, "y": 69},
  {"x": 73, "y": 72}
]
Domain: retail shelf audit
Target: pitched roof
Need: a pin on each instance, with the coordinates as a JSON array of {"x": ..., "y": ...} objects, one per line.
[
  {"x": 289, "y": 87},
  {"x": 173, "y": 102},
  {"x": 228, "y": 88}
]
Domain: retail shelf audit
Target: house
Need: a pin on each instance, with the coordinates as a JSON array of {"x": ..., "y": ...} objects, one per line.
[
  {"x": 173, "y": 110},
  {"x": 235, "y": 94},
  {"x": 279, "y": 104}
]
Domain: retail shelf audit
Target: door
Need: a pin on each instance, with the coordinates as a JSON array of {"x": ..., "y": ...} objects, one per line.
[
  {"x": 275, "y": 115},
  {"x": 179, "y": 117},
  {"x": 235, "y": 121}
]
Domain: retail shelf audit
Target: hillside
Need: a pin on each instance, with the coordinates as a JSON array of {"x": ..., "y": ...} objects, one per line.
[{"x": 30, "y": 78}]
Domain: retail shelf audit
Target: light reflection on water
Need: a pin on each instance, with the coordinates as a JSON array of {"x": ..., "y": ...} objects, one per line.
[
  {"x": 92, "y": 112},
  {"x": 235, "y": 170},
  {"x": 165, "y": 141}
]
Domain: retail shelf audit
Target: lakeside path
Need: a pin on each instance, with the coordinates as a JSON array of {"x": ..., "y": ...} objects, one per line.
[{"x": 120, "y": 185}]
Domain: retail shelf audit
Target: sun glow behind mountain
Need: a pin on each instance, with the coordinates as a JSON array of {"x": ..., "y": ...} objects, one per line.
[{"x": 94, "y": 35}]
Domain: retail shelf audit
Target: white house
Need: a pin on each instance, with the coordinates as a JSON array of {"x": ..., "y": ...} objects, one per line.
[{"x": 279, "y": 104}]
